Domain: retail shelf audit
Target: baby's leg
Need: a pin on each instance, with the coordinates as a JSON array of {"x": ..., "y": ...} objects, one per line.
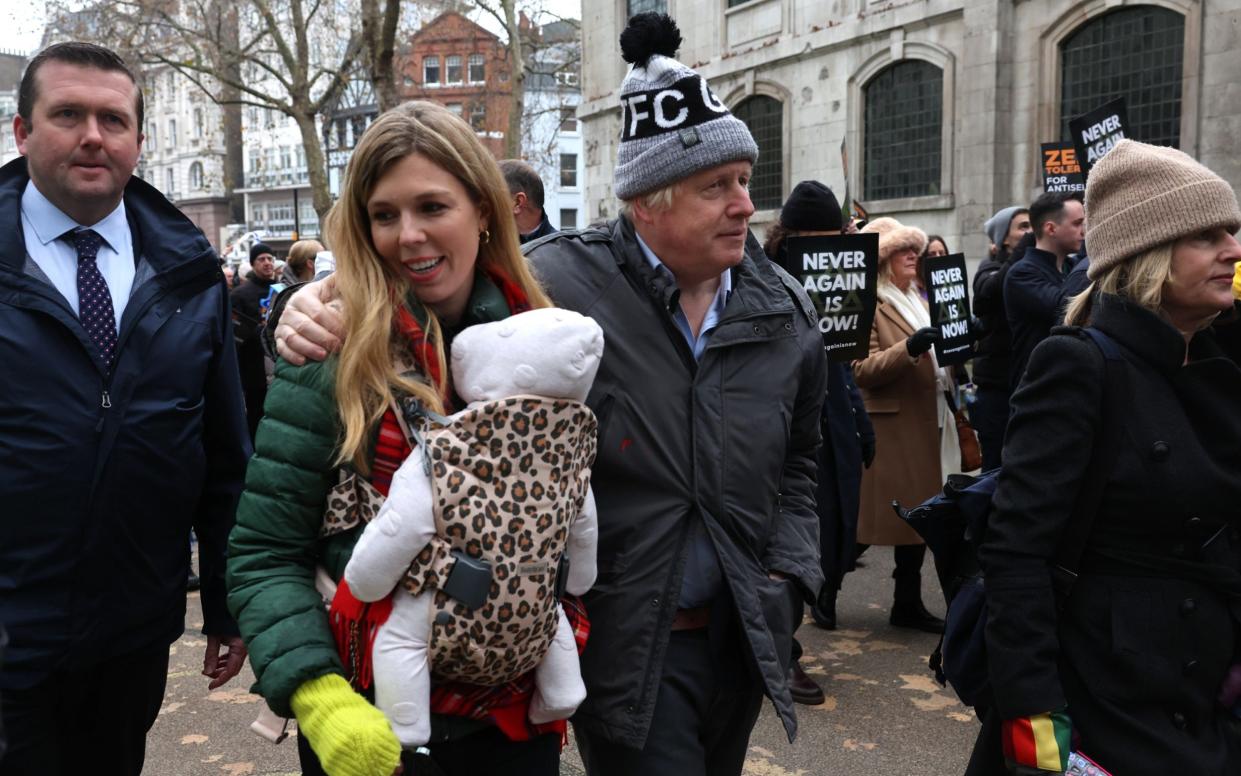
[
  {"x": 558, "y": 687},
  {"x": 402, "y": 676}
]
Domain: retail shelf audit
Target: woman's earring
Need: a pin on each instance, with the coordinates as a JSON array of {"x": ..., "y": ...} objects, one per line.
[{"x": 484, "y": 236}]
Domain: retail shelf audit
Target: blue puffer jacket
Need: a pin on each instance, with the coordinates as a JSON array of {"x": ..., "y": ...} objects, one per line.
[{"x": 102, "y": 477}]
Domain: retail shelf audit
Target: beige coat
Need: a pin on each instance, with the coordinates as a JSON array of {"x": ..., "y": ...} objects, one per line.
[{"x": 900, "y": 397}]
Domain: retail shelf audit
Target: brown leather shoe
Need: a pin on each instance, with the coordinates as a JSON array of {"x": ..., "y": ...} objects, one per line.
[{"x": 804, "y": 689}]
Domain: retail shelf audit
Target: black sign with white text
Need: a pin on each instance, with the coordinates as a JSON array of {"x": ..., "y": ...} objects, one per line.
[
  {"x": 1097, "y": 132},
  {"x": 947, "y": 293},
  {"x": 839, "y": 273}
]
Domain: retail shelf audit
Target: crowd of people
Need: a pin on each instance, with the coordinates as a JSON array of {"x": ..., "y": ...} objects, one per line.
[{"x": 138, "y": 406}]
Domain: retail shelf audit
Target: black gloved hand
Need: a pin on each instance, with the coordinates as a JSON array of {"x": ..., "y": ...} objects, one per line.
[
  {"x": 868, "y": 451},
  {"x": 921, "y": 341}
]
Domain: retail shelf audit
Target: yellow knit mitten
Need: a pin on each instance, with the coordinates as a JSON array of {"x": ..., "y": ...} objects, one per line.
[{"x": 350, "y": 736}]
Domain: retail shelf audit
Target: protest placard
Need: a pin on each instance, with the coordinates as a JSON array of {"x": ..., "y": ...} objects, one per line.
[
  {"x": 1061, "y": 172},
  {"x": 839, "y": 273},
  {"x": 947, "y": 293},
  {"x": 1097, "y": 132}
]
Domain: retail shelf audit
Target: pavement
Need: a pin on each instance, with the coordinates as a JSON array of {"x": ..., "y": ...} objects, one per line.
[{"x": 884, "y": 712}]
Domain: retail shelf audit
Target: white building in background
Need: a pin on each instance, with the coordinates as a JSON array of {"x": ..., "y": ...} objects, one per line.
[
  {"x": 183, "y": 153},
  {"x": 551, "y": 133},
  {"x": 277, "y": 193}
]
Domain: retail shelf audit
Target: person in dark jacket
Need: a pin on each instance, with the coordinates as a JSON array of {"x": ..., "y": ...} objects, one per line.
[
  {"x": 1034, "y": 286},
  {"x": 708, "y": 540},
  {"x": 1133, "y": 664},
  {"x": 121, "y": 421},
  {"x": 527, "y": 190},
  {"x": 848, "y": 437},
  {"x": 250, "y": 301},
  {"x": 989, "y": 413}
]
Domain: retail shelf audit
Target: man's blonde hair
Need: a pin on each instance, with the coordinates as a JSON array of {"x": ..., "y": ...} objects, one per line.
[{"x": 658, "y": 200}]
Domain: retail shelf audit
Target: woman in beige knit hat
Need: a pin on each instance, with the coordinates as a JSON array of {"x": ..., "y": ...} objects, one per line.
[
  {"x": 1140, "y": 666},
  {"x": 902, "y": 387}
]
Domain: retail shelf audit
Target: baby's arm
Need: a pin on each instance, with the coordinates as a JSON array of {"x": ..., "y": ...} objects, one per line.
[
  {"x": 404, "y": 525},
  {"x": 583, "y": 542}
]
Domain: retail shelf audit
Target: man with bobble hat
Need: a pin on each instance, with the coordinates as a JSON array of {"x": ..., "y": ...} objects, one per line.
[{"x": 708, "y": 399}]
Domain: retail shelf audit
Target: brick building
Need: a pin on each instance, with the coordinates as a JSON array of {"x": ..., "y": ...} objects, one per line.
[{"x": 460, "y": 65}]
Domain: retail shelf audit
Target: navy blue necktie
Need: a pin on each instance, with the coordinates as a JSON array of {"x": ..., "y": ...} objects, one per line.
[{"x": 94, "y": 300}]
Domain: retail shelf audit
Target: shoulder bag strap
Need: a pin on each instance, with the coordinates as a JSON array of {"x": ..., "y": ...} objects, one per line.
[{"x": 1098, "y": 471}]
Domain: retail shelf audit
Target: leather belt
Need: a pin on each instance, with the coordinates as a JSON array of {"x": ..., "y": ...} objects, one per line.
[{"x": 692, "y": 619}]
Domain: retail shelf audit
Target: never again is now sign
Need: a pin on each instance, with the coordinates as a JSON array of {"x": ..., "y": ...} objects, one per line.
[
  {"x": 839, "y": 273},
  {"x": 1097, "y": 132},
  {"x": 947, "y": 294}
]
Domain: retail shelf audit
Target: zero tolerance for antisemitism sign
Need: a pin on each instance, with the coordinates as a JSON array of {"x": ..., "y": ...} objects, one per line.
[
  {"x": 947, "y": 293},
  {"x": 839, "y": 273},
  {"x": 1097, "y": 132},
  {"x": 1061, "y": 172}
]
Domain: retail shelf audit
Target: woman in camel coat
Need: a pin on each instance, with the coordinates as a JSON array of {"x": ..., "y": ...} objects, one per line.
[{"x": 902, "y": 387}]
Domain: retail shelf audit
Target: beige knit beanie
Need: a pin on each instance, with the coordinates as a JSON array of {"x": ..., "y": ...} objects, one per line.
[{"x": 1141, "y": 196}]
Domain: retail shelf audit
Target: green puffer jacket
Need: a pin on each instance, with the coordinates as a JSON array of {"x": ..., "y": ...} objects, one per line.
[{"x": 275, "y": 545}]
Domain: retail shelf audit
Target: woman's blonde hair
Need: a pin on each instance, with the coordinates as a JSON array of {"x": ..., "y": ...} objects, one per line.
[
  {"x": 1139, "y": 280},
  {"x": 371, "y": 289}
]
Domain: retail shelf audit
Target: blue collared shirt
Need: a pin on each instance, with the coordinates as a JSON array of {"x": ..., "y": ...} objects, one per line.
[
  {"x": 43, "y": 224},
  {"x": 703, "y": 578}
]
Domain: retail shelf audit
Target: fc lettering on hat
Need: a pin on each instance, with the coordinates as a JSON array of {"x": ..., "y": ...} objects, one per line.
[{"x": 686, "y": 103}]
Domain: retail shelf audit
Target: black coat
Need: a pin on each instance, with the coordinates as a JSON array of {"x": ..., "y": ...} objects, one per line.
[
  {"x": 103, "y": 475},
  {"x": 728, "y": 441},
  {"x": 1034, "y": 303},
  {"x": 845, "y": 427},
  {"x": 1150, "y": 629},
  {"x": 993, "y": 349}
]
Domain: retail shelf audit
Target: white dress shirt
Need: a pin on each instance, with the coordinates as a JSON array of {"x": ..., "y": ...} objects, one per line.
[{"x": 43, "y": 224}]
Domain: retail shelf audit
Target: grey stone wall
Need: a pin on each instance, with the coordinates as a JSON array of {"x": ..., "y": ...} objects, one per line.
[{"x": 1001, "y": 72}]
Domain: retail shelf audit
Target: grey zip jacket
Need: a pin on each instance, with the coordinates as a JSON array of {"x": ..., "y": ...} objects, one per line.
[{"x": 728, "y": 440}]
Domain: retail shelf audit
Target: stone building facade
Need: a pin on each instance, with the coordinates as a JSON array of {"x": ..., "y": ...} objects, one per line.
[
  {"x": 183, "y": 153},
  {"x": 942, "y": 104}
]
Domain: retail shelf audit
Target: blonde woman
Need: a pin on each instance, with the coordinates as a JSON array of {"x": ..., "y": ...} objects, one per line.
[
  {"x": 903, "y": 389},
  {"x": 1133, "y": 665},
  {"x": 424, "y": 246}
]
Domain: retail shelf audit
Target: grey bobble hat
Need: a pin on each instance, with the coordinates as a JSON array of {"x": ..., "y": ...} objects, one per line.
[
  {"x": 672, "y": 125},
  {"x": 997, "y": 225},
  {"x": 1142, "y": 196}
]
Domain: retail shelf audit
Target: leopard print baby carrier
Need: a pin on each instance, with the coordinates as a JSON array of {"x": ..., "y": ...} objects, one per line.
[{"x": 509, "y": 477}]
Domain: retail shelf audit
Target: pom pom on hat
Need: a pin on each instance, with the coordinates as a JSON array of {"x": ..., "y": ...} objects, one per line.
[{"x": 649, "y": 34}]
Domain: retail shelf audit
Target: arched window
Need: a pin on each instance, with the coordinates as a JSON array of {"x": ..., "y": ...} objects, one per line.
[
  {"x": 903, "y": 128},
  {"x": 1136, "y": 53},
  {"x": 196, "y": 176},
  {"x": 765, "y": 118}
]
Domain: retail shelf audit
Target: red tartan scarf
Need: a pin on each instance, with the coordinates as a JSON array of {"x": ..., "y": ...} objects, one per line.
[{"x": 355, "y": 624}]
